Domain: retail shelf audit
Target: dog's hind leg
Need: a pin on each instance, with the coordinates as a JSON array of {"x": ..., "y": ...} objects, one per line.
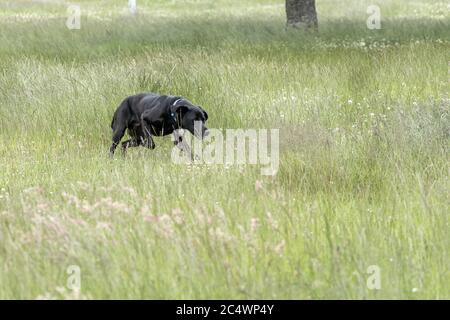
[
  {"x": 128, "y": 144},
  {"x": 117, "y": 136}
]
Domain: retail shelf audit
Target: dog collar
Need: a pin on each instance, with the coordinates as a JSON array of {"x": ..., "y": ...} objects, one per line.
[
  {"x": 173, "y": 114},
  {"x": 176, "y": 102}
]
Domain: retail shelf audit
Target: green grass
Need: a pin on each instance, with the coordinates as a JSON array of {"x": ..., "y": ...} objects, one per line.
[{"x": 364, "y": 134}]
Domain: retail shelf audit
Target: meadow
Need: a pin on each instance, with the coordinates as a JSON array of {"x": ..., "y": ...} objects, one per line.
[{"x": 363, "y": 176}]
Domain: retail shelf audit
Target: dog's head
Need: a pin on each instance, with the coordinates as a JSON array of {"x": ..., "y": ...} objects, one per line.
[{"x": 190, "y": 117}]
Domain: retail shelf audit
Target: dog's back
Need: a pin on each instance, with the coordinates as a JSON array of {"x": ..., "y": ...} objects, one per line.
[{"x": 126, "y": 108}]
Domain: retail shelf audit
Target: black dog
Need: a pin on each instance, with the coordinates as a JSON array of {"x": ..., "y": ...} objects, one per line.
[{"x": 149, "y": 114}]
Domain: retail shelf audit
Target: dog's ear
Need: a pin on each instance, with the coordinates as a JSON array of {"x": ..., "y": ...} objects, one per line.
[
  {"x": 205, "y": 114},
  {"x": 178, "y": 106},
  {"x": 179, "y": 110}
]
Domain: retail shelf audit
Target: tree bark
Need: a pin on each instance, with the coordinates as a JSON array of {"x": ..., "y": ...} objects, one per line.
[{"x": 301, "y": 14}]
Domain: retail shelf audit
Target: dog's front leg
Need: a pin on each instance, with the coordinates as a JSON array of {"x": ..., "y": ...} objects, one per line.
[
  {"x": 181, "y": 144},
  {"x": 147, "y": 139}
]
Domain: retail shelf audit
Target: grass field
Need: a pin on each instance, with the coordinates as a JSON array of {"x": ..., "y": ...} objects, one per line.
[{"x": 364, "y": 149}]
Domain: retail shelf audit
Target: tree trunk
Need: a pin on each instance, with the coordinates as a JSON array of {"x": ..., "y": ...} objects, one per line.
[{"x": 301, "y": 13}]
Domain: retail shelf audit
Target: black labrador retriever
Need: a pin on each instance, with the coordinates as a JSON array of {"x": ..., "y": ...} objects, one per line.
[{"x": 149, "y": 114}]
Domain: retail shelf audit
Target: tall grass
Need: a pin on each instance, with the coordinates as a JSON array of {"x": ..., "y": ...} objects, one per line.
[{"x": 363, "y": 178}]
